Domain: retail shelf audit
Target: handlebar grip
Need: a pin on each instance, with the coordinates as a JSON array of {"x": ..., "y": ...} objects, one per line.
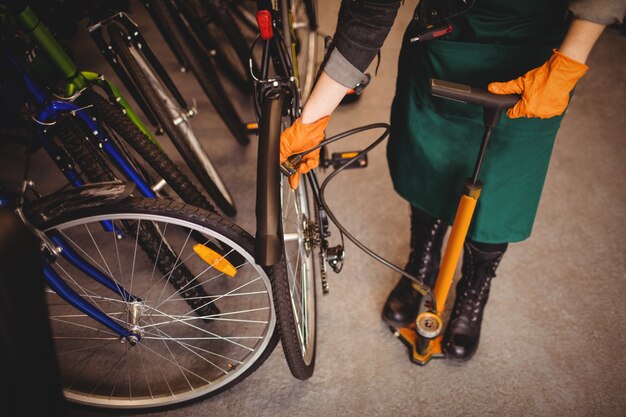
[{"x": 467, "y": 94}]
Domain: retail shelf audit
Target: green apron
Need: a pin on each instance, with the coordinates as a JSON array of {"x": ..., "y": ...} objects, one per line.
[{"x": 434, "y": 142}]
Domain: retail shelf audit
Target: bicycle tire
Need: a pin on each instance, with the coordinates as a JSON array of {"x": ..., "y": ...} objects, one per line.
[
  {"x": 83, "y": 154},
  {"x": 203, "y": 69},
  {"x": 111, "y": 115},
  {"x": 304, "y": 16},
  {"x": 165, "y": 109},
  {"x": 219, "y": 29},
  {"x": 180, "y": 358}
]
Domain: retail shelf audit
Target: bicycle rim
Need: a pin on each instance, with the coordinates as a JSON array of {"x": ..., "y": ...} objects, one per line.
[{"x": 181, "y": 356}]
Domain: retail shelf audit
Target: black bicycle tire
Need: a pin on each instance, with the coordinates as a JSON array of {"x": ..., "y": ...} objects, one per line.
[
  {"x": 286, "y": 324},
  {"x": 203, "y": 70},
  {"x": 307, "y": 83},
  {"x": 154, "y": 157},
  {"x": 83, "y": 154},
  {"x": 182, "y": 211},
  {"x": 208, "y": 182},
  {"x": 246, "y": 17},
  {"x": 235, "y": 64}
]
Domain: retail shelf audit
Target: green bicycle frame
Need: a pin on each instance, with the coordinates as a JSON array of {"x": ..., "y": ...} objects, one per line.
[{"x": 63, "y": 66}]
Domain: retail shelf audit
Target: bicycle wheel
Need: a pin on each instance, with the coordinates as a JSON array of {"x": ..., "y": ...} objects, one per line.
[
  {"x": 295, "y": 288},
  {"x": 121, "y": 130},
  {"x": 201, "y": 65},
  {"x": 171, "y": 117},
  {"x": 180, "y": 357},
  {"x": 215, "y": 26}
]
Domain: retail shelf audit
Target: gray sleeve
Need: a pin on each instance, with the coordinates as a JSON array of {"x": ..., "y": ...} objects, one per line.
[
  {"x": 362, "y": 26},
  {"x": 606, "y": 12},
  {"x": 342, "y": 71}
]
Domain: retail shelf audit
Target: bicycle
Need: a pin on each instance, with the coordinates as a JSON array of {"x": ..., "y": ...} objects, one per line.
[
  {"x": 136, "y": 65},
  {"x": 177, "y": 22},
  {"x": 124, "y": 338}
]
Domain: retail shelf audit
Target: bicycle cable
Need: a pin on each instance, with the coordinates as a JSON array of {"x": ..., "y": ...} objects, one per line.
[{"x": 289, "y": 167}]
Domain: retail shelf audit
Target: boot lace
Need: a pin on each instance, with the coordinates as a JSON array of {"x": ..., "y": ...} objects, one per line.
[{"x": 475, "y": 293}]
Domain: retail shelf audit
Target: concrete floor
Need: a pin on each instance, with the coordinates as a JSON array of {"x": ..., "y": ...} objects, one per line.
[{"x": 553, "y": 339}]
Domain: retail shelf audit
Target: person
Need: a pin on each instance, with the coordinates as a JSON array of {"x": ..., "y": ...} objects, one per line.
[{"x": 536, "y": 49}]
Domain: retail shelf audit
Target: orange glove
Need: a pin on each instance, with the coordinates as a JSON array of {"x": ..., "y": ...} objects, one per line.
[
  {"x": 545, "y": 90},
  {"x": 299, "y": 138}
]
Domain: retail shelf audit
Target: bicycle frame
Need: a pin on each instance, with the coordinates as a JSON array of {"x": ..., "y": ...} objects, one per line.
[{"x": 51, "y": 111}]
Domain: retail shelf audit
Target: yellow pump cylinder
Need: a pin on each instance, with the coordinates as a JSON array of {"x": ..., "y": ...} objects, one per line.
[{"x": 454, "y": 248}]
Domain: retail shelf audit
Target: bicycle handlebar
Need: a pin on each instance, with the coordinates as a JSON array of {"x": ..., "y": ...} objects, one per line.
[{"x": 467, "y": 94}]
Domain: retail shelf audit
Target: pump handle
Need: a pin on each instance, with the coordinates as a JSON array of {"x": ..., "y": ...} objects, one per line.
[{"x": 467, "y": 94}]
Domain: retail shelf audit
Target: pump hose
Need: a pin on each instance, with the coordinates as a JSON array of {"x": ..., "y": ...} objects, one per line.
[{"x": 419, "y": 285}]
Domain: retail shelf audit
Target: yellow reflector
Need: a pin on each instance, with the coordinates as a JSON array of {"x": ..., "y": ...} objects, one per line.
[
  {"x": 252, "y": 125},
  {"x": 347, "y": 155},
  {"x": 215, "y": 260}
]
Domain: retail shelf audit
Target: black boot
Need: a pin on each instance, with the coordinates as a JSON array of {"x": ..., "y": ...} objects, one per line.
[
  {"x": 461, "y": 337},
  {"x": 427, "y": 235}
]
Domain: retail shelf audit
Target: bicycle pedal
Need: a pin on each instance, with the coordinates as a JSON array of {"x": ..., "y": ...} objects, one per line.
[
  {"x": 252, "y": 128},
  {"x": 339, "y": 159}
]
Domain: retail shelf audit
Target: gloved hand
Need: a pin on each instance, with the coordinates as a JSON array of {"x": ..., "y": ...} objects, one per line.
[
  {"x": 544, "y": 90},
  {"x": 298, "y": 138}
]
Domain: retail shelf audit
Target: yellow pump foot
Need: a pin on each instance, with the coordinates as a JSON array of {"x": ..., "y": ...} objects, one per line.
[{"x": 413, "y": 342}]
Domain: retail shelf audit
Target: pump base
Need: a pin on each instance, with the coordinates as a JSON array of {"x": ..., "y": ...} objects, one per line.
[{"x": 430, "y": 348}]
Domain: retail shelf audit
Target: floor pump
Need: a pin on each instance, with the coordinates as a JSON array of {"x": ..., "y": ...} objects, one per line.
[{"x": 423, "y": 337}]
